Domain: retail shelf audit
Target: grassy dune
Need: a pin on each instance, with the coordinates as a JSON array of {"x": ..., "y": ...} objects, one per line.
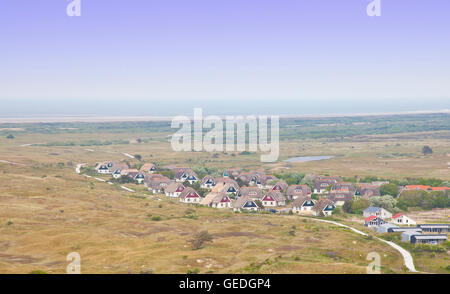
[
  {"x": 114, "y": 233},
  {"x": 48, "y": 211}
]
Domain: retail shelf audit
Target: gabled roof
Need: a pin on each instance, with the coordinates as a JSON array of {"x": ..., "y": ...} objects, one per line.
[
  {"x": 299, "y": 190},
  {"x": 338, "y": 195},
  {"x": 173, "y": 187},
  {"x": 253, "y": 192},
  {"x": 215, "y": 198},
  {"x": 156, "y": 181},
  {"x": 241, "y": 201},
  {"x": 226, "y": 181},
  {"x": 301, "y": 200},
  {"x": 368, "y": 191},
  {"x": 275, "y": 195},
  {"x": 281, "y": 184},
  {"x": 221, "y": 198},
  {"x": 147, "y": 167},
  {"x": 206, "y": 178},
  {"x": 397, "y": 215},
  {"x": 372, "y": 209},
  {"x": 321, "y": 205},
  {"x": 222, "y": 186},
  {"x": 370, "y": 218},
  {"x": 347, "y": 186},
  {"x": 189, "y": 193}
]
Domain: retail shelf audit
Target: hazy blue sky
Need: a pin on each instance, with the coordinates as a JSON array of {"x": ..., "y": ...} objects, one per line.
[{"x": 287, "y": 56}]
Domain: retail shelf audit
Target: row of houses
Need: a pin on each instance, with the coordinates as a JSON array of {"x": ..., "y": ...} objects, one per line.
[
  {"x": 259, "y": 186},
  {"x": 226, "y": 193},
  {"x": 383, "y": 221}
]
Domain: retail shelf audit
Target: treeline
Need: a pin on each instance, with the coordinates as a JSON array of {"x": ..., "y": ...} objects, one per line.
[
  {"x": 342, "y": 127},
  {"x": 84, "y": 143},
  {"x": 407, "y": 199},
  {"x": 423, "y": 199},
  {"x": 403, "y": 182}
]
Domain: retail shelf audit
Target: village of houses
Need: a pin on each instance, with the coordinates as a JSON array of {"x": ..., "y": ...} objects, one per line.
[{"x": 265, "y": 192}]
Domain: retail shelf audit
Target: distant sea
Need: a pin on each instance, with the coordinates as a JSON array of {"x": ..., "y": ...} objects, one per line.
[{"x": 166, "y": 108}]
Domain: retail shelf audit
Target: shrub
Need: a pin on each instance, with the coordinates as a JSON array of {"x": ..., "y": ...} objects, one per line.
[
  {"x": 193, "y": 271},
  {"x": 38, "y": 272},
  {"x": 356, "y": 206},
  {"x": 429, "y": 248},
  {"x": 200, "y": 239},
  {"x": 156, "y": 218},
  {"x": 427, "y": 150},
  {"x": 389, "y": 189}
]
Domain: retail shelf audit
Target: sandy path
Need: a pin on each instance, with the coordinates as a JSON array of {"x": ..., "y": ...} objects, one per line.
[{"x": 10, "y": 162}]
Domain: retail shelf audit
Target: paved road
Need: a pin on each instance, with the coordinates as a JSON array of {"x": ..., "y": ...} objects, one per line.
[{"x": 409, "y": 262}]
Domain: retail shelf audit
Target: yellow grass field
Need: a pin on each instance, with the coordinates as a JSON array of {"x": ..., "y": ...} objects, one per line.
[{"x": 48, "y": 211}]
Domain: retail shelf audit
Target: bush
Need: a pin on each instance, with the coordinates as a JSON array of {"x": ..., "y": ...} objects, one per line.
[
  {"x": 427, "y": 150},
  {"x": 355, "y": 206},
  {"x": 200, "y": 239},
  {"x": 389, "y": 189},
  {"x": 156, "y": 218},
  {"x": 387, "y": 202},
  {"x": 429, "y": 248},
  {"x": 337, "y": 210},
  {"x": 424, "y": 200},
  {"x": 193, "y": 271},
  {"x": 38, "y": 272}
]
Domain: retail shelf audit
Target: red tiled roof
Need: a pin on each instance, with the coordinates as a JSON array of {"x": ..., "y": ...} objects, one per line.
[
  {"x": 440, "y": 188},
  {"x": 419, "y": 187},
  {"x": 370, "y": 218},
  {"x": 397, "y": 215}
]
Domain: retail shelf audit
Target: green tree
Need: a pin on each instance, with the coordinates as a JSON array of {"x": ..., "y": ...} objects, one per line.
[
  {"x": 389, "y": 189},
  {"x": 167, "y": 173},
  {"x": 387, "y": 202},
  {"x": 355, "y": 206}
]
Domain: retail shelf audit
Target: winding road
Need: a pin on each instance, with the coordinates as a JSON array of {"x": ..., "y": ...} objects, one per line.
[{"x": 408, "y": 260}]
